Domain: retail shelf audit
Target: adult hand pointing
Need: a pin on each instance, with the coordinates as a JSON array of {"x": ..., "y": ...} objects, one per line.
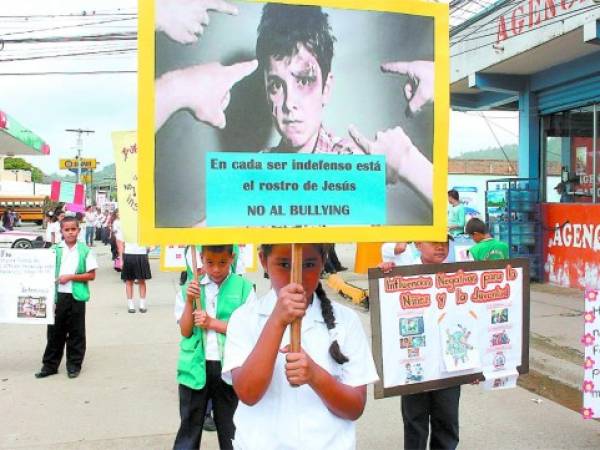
[
  {"x": 184, "y": 20},
  {"x": 400, "y": 155},
  {"x": 203, "y": 88},
  {"x": 420, "y": 86}
]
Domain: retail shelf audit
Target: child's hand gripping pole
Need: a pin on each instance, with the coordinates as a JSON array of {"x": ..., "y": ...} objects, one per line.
[
  {"x": 296, "y": 277},
  {"x": 195, "y": 272}
]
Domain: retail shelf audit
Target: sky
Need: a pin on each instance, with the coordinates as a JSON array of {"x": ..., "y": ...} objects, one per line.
[{"x": 49, "y": 104}]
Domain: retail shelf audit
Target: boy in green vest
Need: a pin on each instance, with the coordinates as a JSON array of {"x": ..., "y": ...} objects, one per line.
[
  {"x": 209, "y": 305},
  {"x": 75, "y": 266},
  {"x": 486, "y": 248}
]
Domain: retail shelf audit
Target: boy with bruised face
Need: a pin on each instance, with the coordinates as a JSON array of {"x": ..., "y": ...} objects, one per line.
[{"x": 294, "y": 49}]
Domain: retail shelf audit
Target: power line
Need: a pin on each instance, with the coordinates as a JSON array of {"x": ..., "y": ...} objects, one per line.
[
  {"x": 499, "y": 144},
  {"x": 128, "y": 36},
  {"x": 99, "y": 52},
  {"x": 70, "y": 26},
  {"x": 97, "y": 72},
  {"x": 52, "y": 16}
]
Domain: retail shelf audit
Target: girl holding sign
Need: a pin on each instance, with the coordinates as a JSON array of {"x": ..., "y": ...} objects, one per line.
[{"x": 308, "y": 399}]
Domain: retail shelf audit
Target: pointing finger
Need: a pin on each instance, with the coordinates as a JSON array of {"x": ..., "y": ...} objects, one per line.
[
  {"x": 400, "y": 67},
  {"x": 221, "y": 6},
  {"x": 236, "y": 72},
  {"x": 360, "y": 139}
]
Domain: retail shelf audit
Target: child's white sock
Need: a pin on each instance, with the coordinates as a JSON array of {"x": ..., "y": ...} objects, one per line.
[
  {"x": 130, "y": 304},
  {"x": 142, "y": 303}
]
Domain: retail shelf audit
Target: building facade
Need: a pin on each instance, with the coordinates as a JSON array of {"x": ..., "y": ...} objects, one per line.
[{"x": 542, "y": 59}]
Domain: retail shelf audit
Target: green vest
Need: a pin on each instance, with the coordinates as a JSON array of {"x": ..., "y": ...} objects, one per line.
[
  {"x": 191, "y": 368},
  {"x": 81, "y": 290}
]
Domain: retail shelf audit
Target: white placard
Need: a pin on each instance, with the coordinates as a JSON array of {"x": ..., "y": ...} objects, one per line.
[
  {"x": 28, "y": 285},
  {"x": 448, "y": 324}
]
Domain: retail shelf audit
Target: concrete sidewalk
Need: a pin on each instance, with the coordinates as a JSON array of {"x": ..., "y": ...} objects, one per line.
[{"x": 126, "y": 396}]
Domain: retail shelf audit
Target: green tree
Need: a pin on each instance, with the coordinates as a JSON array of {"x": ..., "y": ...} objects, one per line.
[{"x": 20, "y": 164}]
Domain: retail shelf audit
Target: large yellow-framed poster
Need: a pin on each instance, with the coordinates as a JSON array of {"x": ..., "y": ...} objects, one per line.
[{"x": 276, "y": 122}]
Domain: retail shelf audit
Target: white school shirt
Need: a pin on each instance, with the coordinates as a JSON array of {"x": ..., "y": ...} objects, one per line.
[
  {"x": 295, "y": 417},
  {"x": 53, "y": 227},
  {"x": 69, "y": 263},
  {"x": 134, "y": 249},
  {"x": 406, "y": 258}
]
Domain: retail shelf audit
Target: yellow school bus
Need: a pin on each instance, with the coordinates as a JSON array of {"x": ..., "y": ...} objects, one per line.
[{"x": 29, "y": 208}]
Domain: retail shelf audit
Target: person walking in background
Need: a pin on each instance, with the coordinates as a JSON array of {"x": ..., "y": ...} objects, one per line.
[
  {"x": 53, "y": 234},
  {"x": 90, "y": 225},
  {"x": 135, "y": 267},
  {"x": 114, "y": 234},
  {"x": 456, "y": 214},
  {"x": 98, "y": 224},
  {"x": 106, "y": 227},
  {"x": 8, "y": 219},
  {"x": 486, "y": 248}
]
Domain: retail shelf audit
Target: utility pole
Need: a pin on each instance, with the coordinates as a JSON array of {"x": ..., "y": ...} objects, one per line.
[{"x": 79, "y": 144}]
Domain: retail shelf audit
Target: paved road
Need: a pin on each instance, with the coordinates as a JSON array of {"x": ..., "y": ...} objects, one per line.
[{"x": 126, "y": 396}]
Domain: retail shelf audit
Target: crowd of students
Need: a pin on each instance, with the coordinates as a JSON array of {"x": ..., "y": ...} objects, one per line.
[{"x": 235, "y": 353}]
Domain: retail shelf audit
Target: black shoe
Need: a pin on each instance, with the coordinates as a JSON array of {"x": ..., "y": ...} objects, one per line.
[
  {"x": 131, "y": 310},
  {"x": 209, "y": 423},
  {"x": 45, "y": 373},
  {"x": 73, "y": 373}
]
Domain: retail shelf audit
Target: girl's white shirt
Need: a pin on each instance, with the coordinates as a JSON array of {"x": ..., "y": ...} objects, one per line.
[{"x": 295, "y": 417}]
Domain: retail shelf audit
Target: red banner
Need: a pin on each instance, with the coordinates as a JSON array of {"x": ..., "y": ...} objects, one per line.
[{"x": 572, "y": 245}]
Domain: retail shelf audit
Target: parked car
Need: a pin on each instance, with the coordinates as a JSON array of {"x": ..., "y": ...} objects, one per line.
[{"x": 21, "y": 239}]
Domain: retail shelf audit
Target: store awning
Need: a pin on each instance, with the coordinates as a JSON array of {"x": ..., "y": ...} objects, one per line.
[{"x": 15, "y": 139}]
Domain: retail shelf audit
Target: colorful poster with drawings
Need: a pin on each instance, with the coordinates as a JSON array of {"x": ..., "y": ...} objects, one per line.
[
  {"x": 591, "y": 365},
  {"x": 28, "y": 289},
  {"x": 459, "y": 341},
  {"x": 441, "y": 325}
]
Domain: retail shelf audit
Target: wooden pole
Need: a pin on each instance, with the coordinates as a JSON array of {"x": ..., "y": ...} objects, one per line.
[
  {"x": 195, "y": 272},
  {"x": 296, "y": 277}
]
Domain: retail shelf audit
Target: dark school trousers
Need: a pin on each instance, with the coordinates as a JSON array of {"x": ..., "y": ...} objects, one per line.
[
  {"x": 69, "y": 328},
  {"x": 438, "y": 407},
  {"x": 192, "y": 409}
]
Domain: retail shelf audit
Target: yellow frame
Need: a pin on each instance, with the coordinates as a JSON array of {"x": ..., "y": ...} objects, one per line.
[{"x": 149, "y": 234}]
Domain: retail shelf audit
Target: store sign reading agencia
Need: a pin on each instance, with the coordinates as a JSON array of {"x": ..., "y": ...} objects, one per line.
[{"x": 531, "y": 14}]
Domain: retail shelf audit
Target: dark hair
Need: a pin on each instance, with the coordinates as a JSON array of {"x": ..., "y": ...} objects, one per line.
[
  {"x": 182, "y": 278},
  {"x": 326, "y": 306},
  {"x": 218, "y": 249},
  {"x": 283, "y": 27},
  {"x": 454, "y": 194},
  {"x": 476, "y": 225},
  {"x": 68, "y": 219}
]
